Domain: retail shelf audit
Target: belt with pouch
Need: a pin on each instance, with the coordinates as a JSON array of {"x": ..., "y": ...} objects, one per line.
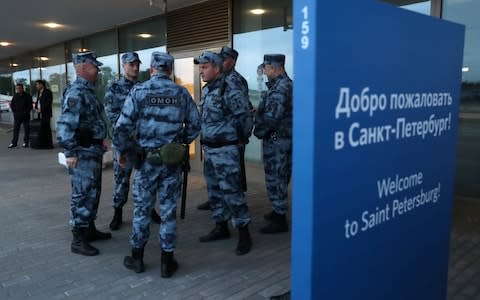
[{"x": 170, "y": 155}]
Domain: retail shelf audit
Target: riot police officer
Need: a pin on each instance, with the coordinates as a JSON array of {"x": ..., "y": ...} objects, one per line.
[
  {"x": 80, "y": 131},
  {"x": 226, "y": 123},
  {"x": 237, "y": 81},
  {"x": 114, "y": 99},
  {"x": 162, "y": 115},
  {"x": 273, "y": 124}
]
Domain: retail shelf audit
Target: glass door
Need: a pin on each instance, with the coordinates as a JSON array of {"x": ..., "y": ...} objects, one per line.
[{"x": 186, "y": 75}]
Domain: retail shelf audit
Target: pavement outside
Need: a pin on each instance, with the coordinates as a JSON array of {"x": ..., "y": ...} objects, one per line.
[{"x": 36, "y": 262}]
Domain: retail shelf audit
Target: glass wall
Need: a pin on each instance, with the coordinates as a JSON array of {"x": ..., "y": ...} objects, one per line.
[
  {"x": 6, "y": 91},
  {"x": 5, "y": 79},
  {"x": 21, "y": 68},
  {"x": 420, "y": 6},
  {"x": 143, "y": 38},
  {"x": 259, "y": 27},
  {"x": 468, "y": 151},
  {"x": 53, "y": 70},
  {"x": 105, "y": 46},
  {"x": 71, "y": 47}
]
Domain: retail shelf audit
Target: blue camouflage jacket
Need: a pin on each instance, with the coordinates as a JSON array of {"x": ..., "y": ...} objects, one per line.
[
  {"x": 274, "y": 113},
  {"x": 115, "y": 97},
  {"x": 156, "y": 112},
  {"x": 235, "y": 78},
  {"x": 81, "y": 111},
  {"x": 226, "y": 117}
]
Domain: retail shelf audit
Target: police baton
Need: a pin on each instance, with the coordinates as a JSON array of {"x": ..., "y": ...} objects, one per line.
[{"x": 186, "y": 169}]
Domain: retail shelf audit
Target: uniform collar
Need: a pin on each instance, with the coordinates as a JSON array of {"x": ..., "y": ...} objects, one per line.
[
  {"x": 229, "y": 72},
  {"x": 216, "y": 82},
  {"x": 272, "y": 82},
  {"x": 85, "y": 82},
  {"x": 161, "y": 75},
  {"x": 127, "y": 81}
]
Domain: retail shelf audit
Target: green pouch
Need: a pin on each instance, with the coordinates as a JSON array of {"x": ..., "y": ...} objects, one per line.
[
  {"x": 173, "y": 154},
  {"x": 154, "y": 157}
]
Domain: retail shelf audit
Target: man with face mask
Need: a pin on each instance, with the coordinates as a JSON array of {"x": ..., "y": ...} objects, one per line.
[
  {"x": 114, "y": 99},
  {"x": 81, "y": 130}
]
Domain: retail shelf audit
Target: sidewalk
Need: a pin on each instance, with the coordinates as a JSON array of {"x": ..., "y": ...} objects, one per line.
[{"x": 36, "y": 263}]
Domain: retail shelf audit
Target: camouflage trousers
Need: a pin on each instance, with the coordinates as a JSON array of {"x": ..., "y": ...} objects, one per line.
[
  {"x": 277, "y": 162},
  {"x": 224, "y": 185},
  {"x": 86, "y": 180},
  {"x": 121, "y": 177},
  {"x": 148, "y": 183}
]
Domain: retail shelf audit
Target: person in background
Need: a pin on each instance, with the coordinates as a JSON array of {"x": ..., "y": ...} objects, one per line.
[
  {"x": 44, "y": 107},
  {"x": 21, "y": 106}
]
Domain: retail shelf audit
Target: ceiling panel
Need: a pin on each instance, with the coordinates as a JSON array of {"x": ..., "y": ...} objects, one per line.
[{"x": 20, "y": 22}]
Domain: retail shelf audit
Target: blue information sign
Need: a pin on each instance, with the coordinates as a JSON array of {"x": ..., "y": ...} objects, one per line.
[{"x": 376, "y": 101}]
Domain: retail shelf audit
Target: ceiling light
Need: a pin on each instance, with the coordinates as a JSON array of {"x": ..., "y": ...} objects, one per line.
[
  {"x": 52, "y": 25},
  {"x": 43, "y": 58},
  {"x": 145, "y": 35},
  {"x": 5, "y": 44},
  {"x": 82, "y": 50},
  {"x": 13, "y": 65},
  {"x": 257, "y": 11},
  {"x": 465, "y": 69}
]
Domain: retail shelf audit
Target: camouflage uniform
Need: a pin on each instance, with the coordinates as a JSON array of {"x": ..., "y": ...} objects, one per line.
[
  {"x": 81, "y": 118},
  {"x": 226, "y": 123},
  {"x": 160, "y": 112},
  {"x": 114, "y": 100},
  {"x": 273, "y": 124},
  {"x": 232, "y": 77}
]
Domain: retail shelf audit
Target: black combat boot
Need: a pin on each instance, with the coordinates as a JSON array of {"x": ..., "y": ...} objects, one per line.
[
  {"x": 268, "y": 216},
  {"x": 135, "y": 262},
  {"x": 277, "y": 224},
  {"x": 117, "y": 219},
  {"x": 94, "y": 235},
  {"x": 155, "y": 217},
  {"x": 80, "y": 244},
  {"x": 204, "y": 206},
  {"x": 244, "y": 241},
  {"x": 169, "y": 264},
  {"x": 220, "y": 232},
  {"x": 285, "y": 296}
]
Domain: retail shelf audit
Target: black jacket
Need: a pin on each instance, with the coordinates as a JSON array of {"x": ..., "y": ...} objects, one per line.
[
  {"x": 21, "y": 105},
  {"x": 45, "y": 100}
]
